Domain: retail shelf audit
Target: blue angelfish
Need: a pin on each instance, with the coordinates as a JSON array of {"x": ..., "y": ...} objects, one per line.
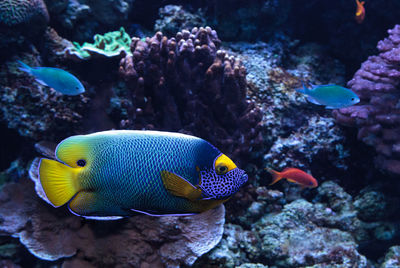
[
  {"x": 331, "y": 96},
  {"x": 60, "y": 80},
  {"x": 112, "y": 174}
]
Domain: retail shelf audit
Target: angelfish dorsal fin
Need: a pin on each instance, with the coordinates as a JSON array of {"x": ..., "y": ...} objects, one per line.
[{"x": 178, "y": 186}]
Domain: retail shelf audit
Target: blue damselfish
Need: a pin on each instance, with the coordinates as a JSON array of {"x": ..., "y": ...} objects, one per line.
[
  {"x": 116, "y": 173},
  {"x": 60, "y": 80},
  {"x": 331, "y": 96}
]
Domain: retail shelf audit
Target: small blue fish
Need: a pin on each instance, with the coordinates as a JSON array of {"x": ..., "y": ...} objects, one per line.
[
  {"x": 60, "y": 80},
  {"x": 331, "y": 96}
]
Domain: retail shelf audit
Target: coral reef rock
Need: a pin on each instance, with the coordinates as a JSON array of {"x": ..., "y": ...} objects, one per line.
[
  {"x": 392, "y": 258},
  {"x": 295, "y": 132},
  {"x": 52, "y": 234},
  {"x": 36, "y": 111},
  {"x": 81, "y": 19},
  {"x": 296, "y": 237},
  {"x": 378, "y": 114},
  {"x": 55, "y": 46},
  {"x": 297, "y": 234},
  {"x": 14, "y": 12},
  {"x": 319, "y": 138},
  {"x": 371, "y": 205},
  {"x": 20, "y": 19},
  {"x": 236, "y": 247},
  {"x": 175, "y": 18},
  {"x": 250, "y": 20},
  {"x": 186, "y": 84}
]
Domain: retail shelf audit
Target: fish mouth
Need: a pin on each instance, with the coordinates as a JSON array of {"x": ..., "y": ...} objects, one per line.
[{"x": 244, "y": 178}]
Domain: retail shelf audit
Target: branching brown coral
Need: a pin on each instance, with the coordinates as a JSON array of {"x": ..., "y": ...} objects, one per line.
[
  {"x": 377, "y": 83},
  {"x": 186, "y": 84}
]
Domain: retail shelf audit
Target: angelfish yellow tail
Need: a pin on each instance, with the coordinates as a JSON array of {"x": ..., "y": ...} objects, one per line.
[
  {"x": 59, "y": 181},
  {"x": 276, "y": 176}
]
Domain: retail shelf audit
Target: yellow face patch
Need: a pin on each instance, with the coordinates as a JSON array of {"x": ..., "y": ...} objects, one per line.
[
  {"x": 224, "y": 164},
  {"x": 74, "y": 151}
]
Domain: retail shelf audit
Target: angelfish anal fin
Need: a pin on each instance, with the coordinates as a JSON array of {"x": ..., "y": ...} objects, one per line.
[
  {"x": 312, "y": 100},
  {"x": 84, "y": 203},
  {"x": 41, "y": 82},
  {"x": 178, "y": 186}
]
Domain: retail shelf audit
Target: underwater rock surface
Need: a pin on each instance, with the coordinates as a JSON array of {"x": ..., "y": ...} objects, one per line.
[
  {"x": 299, "y": 234},
  {"x": 239, "y": 96},
  {"x": 330, "y": 230},
  {"x": 21, "y": 20},
  {"x": 173, "y": 19},
  {"x": 52, "y": 234},
  {"x": 80, "y": 20},
  {"x": 34, "y": 110},
  {"x": 392, "y": 258}
]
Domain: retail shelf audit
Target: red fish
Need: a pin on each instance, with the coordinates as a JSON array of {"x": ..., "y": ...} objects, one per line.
[
  {"x": 360, "y": 12},
  {"x": 294, "y": 175}
]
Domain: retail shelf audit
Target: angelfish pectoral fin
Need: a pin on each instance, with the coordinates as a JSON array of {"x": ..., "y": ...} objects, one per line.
[{"x": 178, "y": 186}]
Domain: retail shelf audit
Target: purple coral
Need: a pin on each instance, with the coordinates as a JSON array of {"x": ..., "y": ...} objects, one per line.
[
  {"x": 377, "y": 116},
  {"x": 186, "y": 84}
]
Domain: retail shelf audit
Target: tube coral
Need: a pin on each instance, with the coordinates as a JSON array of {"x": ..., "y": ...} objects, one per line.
[{"x": 187, "y": 84}]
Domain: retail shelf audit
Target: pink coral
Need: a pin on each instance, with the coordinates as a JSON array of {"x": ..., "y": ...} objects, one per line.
[{"x": 377, "y": 116}]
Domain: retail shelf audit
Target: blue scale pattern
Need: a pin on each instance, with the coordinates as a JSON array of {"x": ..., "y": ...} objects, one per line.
[{"x": 124, "y": 170}]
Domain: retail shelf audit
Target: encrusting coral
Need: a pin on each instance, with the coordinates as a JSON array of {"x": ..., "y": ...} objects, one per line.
[
  {"x": 186, "y": 84},
  {"x": 112, "y": 44},
  {"x": 52, "y": 234},
  {"x": 378, "y": 114}
]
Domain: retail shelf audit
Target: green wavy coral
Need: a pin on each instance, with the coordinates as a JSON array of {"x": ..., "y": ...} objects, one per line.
[
  {"x": 13, "y": 12},
  {"x": 112, "y": 44}
]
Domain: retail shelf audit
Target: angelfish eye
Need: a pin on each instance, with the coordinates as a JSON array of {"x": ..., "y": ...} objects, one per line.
[
  {"x": 221, "y": 169},
  {"x": 81, "y": 163},
  {"x": 352, "y": 99}
]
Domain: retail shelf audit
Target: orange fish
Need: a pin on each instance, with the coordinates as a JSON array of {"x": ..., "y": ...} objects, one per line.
[
  {"x": 360, "y": 12},
  {"x": 294, "y": 175}
]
